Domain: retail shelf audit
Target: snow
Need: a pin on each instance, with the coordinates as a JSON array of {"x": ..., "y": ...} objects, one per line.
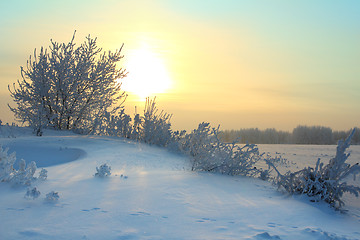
[{"x": 151, "y": 194}]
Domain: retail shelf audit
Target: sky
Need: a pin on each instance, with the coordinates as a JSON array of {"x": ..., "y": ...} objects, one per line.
[{"x": 241, "y": 64}]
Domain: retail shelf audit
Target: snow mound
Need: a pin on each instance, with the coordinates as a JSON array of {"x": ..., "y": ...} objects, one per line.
[{"x": 44, "y": 155}]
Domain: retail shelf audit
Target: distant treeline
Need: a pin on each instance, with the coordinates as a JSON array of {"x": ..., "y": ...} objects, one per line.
[{"x": 299, "y": 135}]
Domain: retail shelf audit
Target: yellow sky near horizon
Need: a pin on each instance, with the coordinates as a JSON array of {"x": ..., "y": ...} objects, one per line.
[{"x": 239, "y": 64}]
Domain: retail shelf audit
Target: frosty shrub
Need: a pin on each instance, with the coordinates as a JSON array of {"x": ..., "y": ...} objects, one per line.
[
  {"x": 272, "y": 163},
  {"x": 118, "y": 125},
  {"x": 103, "y": 171},
  {"x": 52, "y": 196},
  {"x": 23, "y": 176},
  {"x": 32, "y": 193},
  {"x": 324, "y": 182},
  {"x": 68, "y": 87},
  {"x": 43, "y": 174},
  {"x": 156, "y": 126},
  {"x": 211, "y": 154},
  {"x": 153, "y": 127},
  {"x": 6, "y": 165}
]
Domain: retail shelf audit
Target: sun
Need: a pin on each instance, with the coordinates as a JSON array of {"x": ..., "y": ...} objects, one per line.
[{"x": 147, "y": 74}]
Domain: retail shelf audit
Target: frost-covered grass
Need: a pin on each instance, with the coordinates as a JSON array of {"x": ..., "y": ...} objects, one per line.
[{"x": 158, "y": 199}]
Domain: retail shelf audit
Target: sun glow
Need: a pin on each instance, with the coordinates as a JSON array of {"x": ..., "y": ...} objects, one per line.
[{"x": 147, "y": 74}]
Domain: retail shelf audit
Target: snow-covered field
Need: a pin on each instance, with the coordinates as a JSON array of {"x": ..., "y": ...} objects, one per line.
[{"x": 151, "y": 194}]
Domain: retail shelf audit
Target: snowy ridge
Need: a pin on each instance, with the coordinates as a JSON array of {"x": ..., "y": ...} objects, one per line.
[{"x": 151, "y": 194}]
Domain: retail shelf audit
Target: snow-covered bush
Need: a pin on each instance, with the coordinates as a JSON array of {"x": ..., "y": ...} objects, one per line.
[
  {"x": 43, "y": 174},
  {"x": 6, "y": 165},
  {"x": 68, "y": 87},
  {"x": 196, "y": 143},
  {"x": 211, "y": 154},
  {"x": 52, "y": 196},
  {"x": 32, "y": 193},
  {"x": 240, "y": 160},
  {"x": 272, "y": 163},
  {"x": 156, "y": 126},
  {"x": 103, "y": 171},
  {"x": 324, "y": 182},
  {"x": 118, "y": 125},
  {"x": 153, "y": 127},
  {"x": 23, "y": 176}
]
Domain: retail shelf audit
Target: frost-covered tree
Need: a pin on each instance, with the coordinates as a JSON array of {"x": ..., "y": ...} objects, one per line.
[
  {"x": 312, "y": 135},
  {"x": 256, "y": 136},
  {"x": 68, "y": 87}
]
